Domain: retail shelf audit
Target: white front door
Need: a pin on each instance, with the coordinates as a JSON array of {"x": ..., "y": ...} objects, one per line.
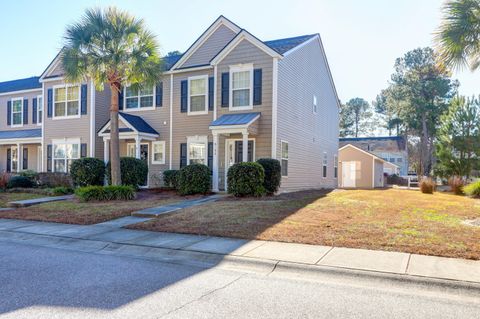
[{"x": 348, "y": 174}]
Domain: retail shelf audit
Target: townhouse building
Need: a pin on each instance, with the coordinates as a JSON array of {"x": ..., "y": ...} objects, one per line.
[{"x": 229, "y": 97}]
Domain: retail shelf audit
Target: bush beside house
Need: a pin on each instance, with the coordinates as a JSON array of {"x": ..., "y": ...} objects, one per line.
[
  {"x": 246, "y": 179},
  {"x": 170, "y": 178},
  {"x": 134, "y": 171},
  {"x": 273, "y": 174},
  {"x": 87, "y": 171},
  {"x": 193, "y": 179}
]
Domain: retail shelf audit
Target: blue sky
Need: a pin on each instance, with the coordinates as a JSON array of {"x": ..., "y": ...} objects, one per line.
[{"x": 362, "y": 38}]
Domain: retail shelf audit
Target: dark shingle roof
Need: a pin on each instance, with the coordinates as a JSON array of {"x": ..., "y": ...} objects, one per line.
[
  {"x": 20, "y": 84},
  {"x": 376, "y": 143},
  {"x": 169, "y": 61},
  {"x": 284, "y": 45},
  {"x": 138, "y": 123},
  {"x": 235, "y": 119},
  {"x": 37, "y": 132}
]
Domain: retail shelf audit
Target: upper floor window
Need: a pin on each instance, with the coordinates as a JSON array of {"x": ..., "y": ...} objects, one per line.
[
  {"x": 17, "y": 112},
  {"x": 39, "y": 109},
  {"x": 197, "y": 94},
  {"x": 139, "y": 98},
  {"x": 284, "y": 155},
  {"x": 315, "y": 104},
  {"x": 66, "y": 101},
  {"x": 241, "y": 87}
]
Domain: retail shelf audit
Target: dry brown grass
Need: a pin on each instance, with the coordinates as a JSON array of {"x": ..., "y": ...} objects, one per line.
[
  {"x": 397, "y": 220},
  {"x": 75, "y": 212}
]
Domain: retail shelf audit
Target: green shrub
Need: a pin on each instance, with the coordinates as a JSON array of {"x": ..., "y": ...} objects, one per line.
[
  {"x": 246, "y": 179},
  {"x": 19, "y": 181},
  {"x": 170, "y": 178},
  {"x": 472, "y": 189},
  {"x": 273, "y": 174},
  {"x": 31, "y": 175},
  {"x": 193, "y": 179},
  {"x": 61, "y": 190},
  {"x": 53, "y": 180},
  {"x": 134, "y": 171},
  {"x": 87, "y": 171},
  {"x": 102, "y": 193},
  {"x": 427, "y": 185}
]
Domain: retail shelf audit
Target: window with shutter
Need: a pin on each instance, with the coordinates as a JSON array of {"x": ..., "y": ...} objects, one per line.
[
  {"x": 257, "y": 86},
  {"x": 184, "y": 96}
]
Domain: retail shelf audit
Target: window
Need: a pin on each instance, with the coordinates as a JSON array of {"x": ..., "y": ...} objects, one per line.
[
  {"x": 197, "y": 94},
  {"x": 197, "y": 150},
  {"x": 324, "y": 164},
  {"x": 315, "y": 104},
  {"x": 241, "y": 87},
  {"x": 335, "y": 166},
  {"x": 136, "y": 98},
  {"x": 17, "y": 112},
  {"x": 392, "y": 160},
  {"x": 64, "y": 153},
  {"x": 66, "y": 101},
  {"x": 131, "y": 150},
  {"x": 39, "y": 109},
  {"x": 14, "y": 159},
  {"x": 158, "y": 154},
  {"x": 399, "y": 160},
  {"x": 284, "y": 158}
]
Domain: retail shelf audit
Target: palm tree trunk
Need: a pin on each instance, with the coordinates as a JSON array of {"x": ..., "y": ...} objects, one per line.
[{"x": 114, "y": 138}]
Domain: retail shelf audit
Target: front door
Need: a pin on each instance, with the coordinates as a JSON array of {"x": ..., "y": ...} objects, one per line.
[
  {"x": 348, "y": 174},
  {"x": 234, "y": 154},
  {"x": 144, "y": 151}
]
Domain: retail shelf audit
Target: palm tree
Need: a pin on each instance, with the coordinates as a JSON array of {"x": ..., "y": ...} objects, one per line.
[
  {"x": 112, "y": 48},
  {"x": 458, "y": 38}
]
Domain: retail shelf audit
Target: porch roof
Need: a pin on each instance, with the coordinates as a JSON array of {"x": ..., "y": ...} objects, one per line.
[
  {"x": 32, "y": 133},
  {"x": 236, "y": 119},
  {"x": 135, "y": 124}
]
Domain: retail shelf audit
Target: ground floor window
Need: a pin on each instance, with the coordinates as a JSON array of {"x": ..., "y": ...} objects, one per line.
[
  {"x": 335, "y": 166},
  {"x": 284, "y": 154},
  {"x": 197, "y": 150},
  {"x": 158, "y": 154},
  {"x": 324, "y": 164},
  {"x": 64, "y": 153}
]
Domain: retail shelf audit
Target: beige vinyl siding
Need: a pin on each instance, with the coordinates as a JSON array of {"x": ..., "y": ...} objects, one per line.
[
  {"x": 303, "y": 74},
  {"x": 364, "y": 170},
  {"x": 65, "y": 128},
  {"x": 3, "y": 110},
  {"x": 57, "y": 70},
  {"x": 378, "y": 173},
  {"x": 217, "y": 41}
]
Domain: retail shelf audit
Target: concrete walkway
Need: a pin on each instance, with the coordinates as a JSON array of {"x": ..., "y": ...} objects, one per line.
[
  {"x": 35, "y": 201},
  {"x": 206, "y": 251}
]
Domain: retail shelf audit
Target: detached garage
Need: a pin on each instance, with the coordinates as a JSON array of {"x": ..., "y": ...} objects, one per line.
[{"x": 359, "y": 168}]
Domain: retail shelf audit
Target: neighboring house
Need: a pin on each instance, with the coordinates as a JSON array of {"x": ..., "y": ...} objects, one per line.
[
  {"x": 392, "y": 149},
  {"x": 229, "y": 98},
  {"x": 359, "y": 168}
]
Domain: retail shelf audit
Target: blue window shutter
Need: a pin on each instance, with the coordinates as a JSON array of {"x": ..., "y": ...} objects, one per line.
[
  {"x": 183, "y": 155},
  {"x": 183, "y": 96},
  {"x": 34, "y": 110},
  {"x": 159, "y": 94},
  {"x": 49, "y": 157},
  {"x": 257, "y": 86},
  {"x": 210, "y": 93},
  {"x": 225, "y": 88},
  {"x": 83, "y": 99},
  {"x": 25, "y": 111},
  {"x": 210, "y": 156},
  {"x": 120, "y": 99},
  {"x": 49, "y": 102},
  {"x": 83, "y": 150},
  {"x": 25, "y": 158},
  {"x": 9, "y": 113},
  {"x": 9, "y": 160}
]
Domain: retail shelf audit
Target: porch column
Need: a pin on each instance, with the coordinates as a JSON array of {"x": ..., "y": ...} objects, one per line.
[
  {"x": 19, "y": 157},
  {"x": 106, "y": 149},
  {"x": 137, "y": 147},
  {"x": 215, "y": 163},
  {"x": 245, "y": 146}
]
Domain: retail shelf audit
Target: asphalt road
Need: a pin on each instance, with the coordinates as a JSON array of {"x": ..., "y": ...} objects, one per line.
[{"x": 38, "y": 282}]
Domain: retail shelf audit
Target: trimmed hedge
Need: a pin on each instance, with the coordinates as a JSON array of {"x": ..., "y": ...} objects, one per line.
[
  {"x": 102, "y": 193},
  {"x": 20, "y": 181},
  {"x": 273, "y": 174},
  {"x": 170, "y": 178},
  {"x": 246, "y": 179},
  {"x": 30, "y": 174},
  {"x": 87, "y": 171},
  {"x": 472, "y": 189},
  {"x": 61, "y": 190},
  {"x": 134, "y": 171},
  {"x": 193, "y": 179}
]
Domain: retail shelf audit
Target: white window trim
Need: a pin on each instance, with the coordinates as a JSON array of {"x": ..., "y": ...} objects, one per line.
[
  {"x": 137, "y": 109},
  {"x": 315, "y": 105},
  {"x": 282, "y": 158},
  {"x": 240, "y": 68},
  {"x": 325, "y": 164},
  {"x": 197, "y": 140},
  {"x": 335, "y": 165},
  {"x": 65, "y": 141},
  {"x": 63, "y": 117},
  {"x": 39, "y": 118},
  {"x": 21, "y": 110},
  {"x": 198, "y": 77},
  {"x": 162, "y": 162}
]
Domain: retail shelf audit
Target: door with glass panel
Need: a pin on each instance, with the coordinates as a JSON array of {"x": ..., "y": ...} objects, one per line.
[{"x": 234, "y": 154}]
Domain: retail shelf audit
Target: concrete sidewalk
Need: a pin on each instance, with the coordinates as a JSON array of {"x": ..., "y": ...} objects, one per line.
[{"x": 206, "y": 251}]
